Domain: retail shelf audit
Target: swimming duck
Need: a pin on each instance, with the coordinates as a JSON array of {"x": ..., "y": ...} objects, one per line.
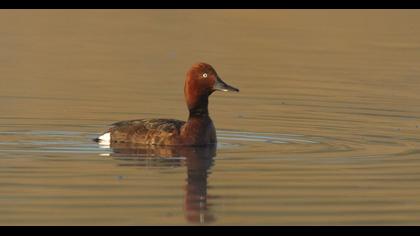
[{"x": 202, "y": 80}]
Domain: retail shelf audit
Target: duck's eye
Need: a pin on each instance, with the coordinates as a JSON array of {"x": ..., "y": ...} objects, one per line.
[{"x": 205, "y": 75}]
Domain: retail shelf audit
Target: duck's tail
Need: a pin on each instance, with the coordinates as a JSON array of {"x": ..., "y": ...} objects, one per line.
[{"x": 105, "y": 138}]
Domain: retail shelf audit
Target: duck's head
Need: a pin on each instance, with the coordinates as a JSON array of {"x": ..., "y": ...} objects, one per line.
[{"x": 202, "y": 80}]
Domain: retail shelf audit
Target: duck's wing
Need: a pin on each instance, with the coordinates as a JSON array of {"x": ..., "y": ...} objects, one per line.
[{"x": 146, "y": 131}]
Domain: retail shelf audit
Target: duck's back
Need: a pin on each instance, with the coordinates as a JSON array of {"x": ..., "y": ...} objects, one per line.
[{"x": 146, "y": 131}]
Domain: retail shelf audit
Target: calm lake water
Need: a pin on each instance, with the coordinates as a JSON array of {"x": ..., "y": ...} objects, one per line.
[{"x": 325, "y": 130}]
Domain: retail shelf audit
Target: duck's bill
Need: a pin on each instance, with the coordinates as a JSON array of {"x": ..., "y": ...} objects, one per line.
[{"x": 220, "y": 85}]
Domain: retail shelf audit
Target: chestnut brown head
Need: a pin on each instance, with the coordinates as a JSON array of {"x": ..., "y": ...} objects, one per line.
[{"x": 202, "y": 80}]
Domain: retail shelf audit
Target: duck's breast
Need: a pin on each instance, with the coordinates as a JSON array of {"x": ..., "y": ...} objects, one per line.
[{"x": 199, "y": 131}]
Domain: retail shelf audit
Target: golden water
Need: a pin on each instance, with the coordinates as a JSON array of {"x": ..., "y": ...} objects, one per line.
[{"x": 325, "y": 130}]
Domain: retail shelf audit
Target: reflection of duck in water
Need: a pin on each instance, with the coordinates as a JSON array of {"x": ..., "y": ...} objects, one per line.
[
  {"x": 198, "y": 160},
  {"x": 198, "y": 167}
]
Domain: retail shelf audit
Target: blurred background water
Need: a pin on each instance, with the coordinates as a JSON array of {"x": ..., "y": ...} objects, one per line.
[{"x": 325, "y": 130}]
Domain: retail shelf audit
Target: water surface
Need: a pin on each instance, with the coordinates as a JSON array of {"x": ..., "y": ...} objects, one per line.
[{"x": 325, "y": 130}]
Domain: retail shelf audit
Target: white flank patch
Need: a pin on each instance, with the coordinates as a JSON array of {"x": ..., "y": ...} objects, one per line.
[{"x": 105, "y": 139}]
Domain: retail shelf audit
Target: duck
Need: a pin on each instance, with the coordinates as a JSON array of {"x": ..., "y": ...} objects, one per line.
[{"x": 201, "y": 81}]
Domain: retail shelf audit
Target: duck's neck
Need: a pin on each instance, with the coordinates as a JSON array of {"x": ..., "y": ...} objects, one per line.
[
  {"x": 199, "y": 129},
  {"x": 199, "y": 108},
  {"x": 198, "y": 113}
]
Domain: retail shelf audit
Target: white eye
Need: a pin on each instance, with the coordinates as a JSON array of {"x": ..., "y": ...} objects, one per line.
[{"x": 205, "y": 75}]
